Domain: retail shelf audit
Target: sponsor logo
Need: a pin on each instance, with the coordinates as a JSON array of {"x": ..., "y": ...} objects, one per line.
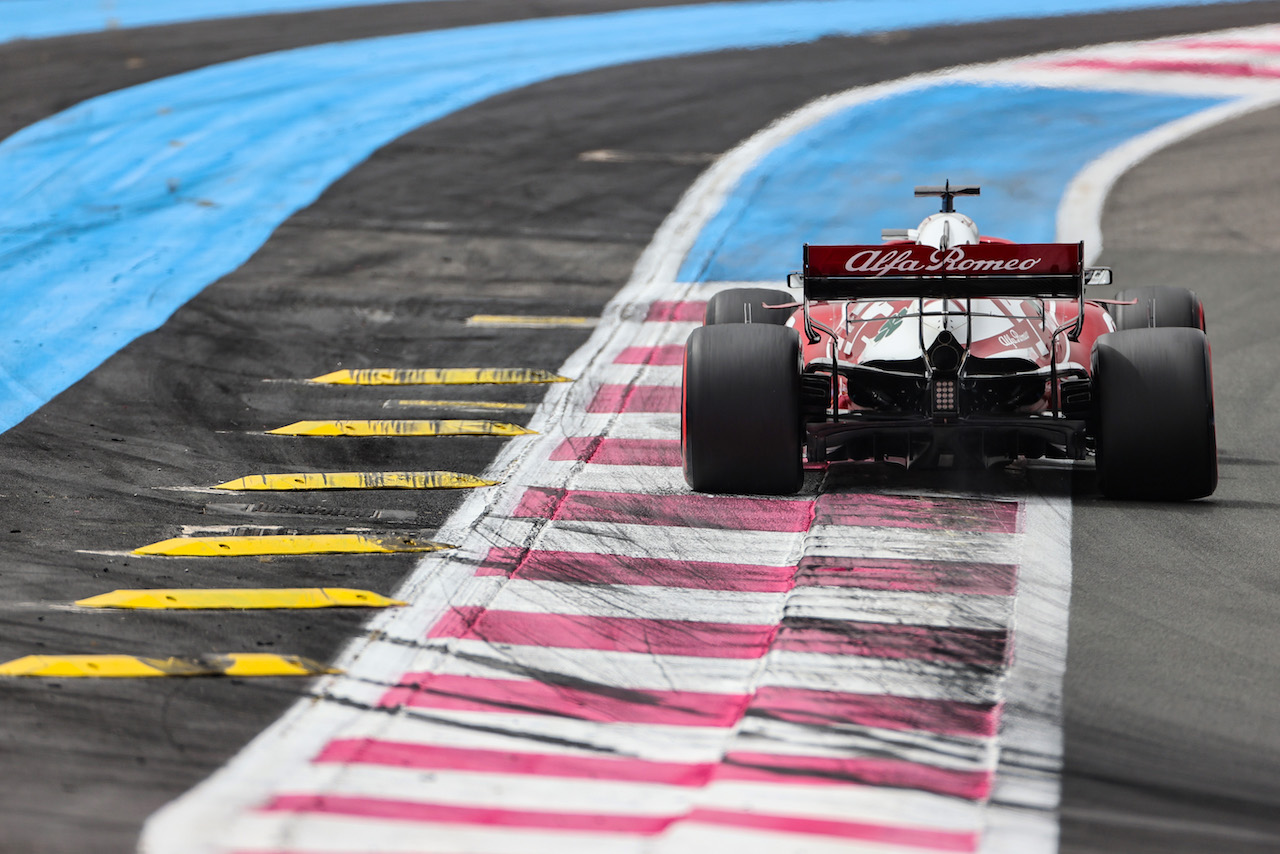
[
  {"x": 1011, "y": 339},
  {"x": 890, "y": 326},
  {"x": 885, "y": 262}
]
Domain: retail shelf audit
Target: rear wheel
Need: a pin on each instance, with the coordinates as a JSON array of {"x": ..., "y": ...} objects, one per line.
[
  {"x": 740, "y": 416},
  {"x": 1158, "y": 306},
  {"x": 1154, "y": 416},
  {"x": 747, "y": 305}
]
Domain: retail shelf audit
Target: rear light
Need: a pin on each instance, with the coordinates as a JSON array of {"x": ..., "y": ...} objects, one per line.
[{"x": 945, "y": 401}]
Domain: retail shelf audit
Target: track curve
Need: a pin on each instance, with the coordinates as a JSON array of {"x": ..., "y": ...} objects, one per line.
[{"x": 421, "y": 219}]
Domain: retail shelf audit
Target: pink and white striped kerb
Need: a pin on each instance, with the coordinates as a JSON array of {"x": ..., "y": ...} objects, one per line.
[
  {"x": 635, "y": 668},
  {"x": 1239, "y": 63}
]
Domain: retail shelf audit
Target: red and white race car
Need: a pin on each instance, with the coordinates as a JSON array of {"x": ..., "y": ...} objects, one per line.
[{"x": 941, "y": 346}]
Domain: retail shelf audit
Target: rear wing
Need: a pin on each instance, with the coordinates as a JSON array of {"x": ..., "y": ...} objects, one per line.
[{"x": 905, "y": 271}]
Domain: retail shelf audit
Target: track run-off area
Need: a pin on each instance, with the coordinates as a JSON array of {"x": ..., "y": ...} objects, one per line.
[{"x": 601, "y": 660}]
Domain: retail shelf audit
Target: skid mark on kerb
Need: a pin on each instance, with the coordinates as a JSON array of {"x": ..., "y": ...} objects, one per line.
[
  {"x": 692, "y": 511},
  {"x": 614, "y": 634},
  {"x": 592, "y": 568}
]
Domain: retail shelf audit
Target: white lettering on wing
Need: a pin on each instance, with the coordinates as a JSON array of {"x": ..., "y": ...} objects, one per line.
[{"x": 883, "y": 262}]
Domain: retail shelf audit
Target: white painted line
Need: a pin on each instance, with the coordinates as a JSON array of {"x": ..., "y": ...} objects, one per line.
[
  {"x": 782, "y": 738},
  {"x": 651, "y": 480},
  {"x": 960, "y": 611},
  {"x": 756, "y": 548},
  {"x": 696, "y": 838},
  {"x": 500, "y": 791},
  {"x": 627, "y": 670},
  {"x": 1022, "y": 815},
  {"x": 652, "y": 672},
  {"x": 1080, "y": 212},
  {"x": 334, "y": 834},
  {"x": 856, "y": 674},
  {"x": 532, "y": 733},
  {"x": 913, "y": 544},
  {"x": 625, "y": 600},
  {"x": 666, "y": 375},
  {"x": 838, "y": 802},
  {"x": 647, "y": 425},
  {"x": 846, "y": 802}
]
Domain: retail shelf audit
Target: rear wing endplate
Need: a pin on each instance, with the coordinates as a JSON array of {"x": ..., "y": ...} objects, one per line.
[{"x": 905, "y": 271}]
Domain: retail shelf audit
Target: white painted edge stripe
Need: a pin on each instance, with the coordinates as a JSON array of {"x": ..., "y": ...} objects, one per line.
[
  {"x": 624, "y": 601},
  {"x": 852, "y": 674},
  {"x": 333, "y": 834},
  {"x": 940, "y": 610},
  {"x": 650, "y": 480},
  {"x": 783, "y": 738},
  {"x": 757, "y": 548},
  {"x": 328, "y": 834},
  {"x": 872, "y": 542},
  {"x": 1080, "y": 212},
  {"x": 533, "y": 733},
  {"x": 664, "y": 375},
  {"x": 639, "y": 425},
  {"x": 841, "y": 802}
]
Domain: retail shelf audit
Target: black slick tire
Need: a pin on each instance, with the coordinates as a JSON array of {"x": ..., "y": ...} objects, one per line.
[
  {"x": 1153, "y": 398},
  {"x": 1158, "y": 306},
  {"x": 741, "y": 429},
  {"x": 747, "y": 305}
]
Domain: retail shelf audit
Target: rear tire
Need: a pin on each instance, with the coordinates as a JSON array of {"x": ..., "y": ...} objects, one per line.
[
  {"x": 1153, "y": 393},
  {"x": 741, "y": 427},
  {"x": 1158, "y": 306},
  {"x": 747, "y": 305}
]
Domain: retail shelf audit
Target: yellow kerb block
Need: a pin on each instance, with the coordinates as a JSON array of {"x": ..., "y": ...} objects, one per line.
[
  {"x": 432, "y": 427},
  {"x": 129, "y": 666},
  {"x": 357, "y": 480},
  {"x": 440, "y": 376},
  {"x": 287, "y": 544},
  {"x": 233, "y": 598}
]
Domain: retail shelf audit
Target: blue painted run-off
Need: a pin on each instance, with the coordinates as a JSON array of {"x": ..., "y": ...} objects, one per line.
[
  {"x": 38, "y": 19},
  {"x": 851, "y": 175},
  {"x": 41, "y": 19},
  {"x": 117, "y": 211}
]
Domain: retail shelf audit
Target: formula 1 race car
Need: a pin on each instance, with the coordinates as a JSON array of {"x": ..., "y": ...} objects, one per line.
[{"x": 943, "y": 347}]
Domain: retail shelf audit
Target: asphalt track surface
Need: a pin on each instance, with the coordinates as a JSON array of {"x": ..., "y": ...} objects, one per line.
[{"x": 1173, "y": 719}]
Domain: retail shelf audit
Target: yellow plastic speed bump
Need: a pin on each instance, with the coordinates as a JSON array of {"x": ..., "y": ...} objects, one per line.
[
  {"x": 529, "y": 320},
  {"x": 448, "y": 427},
  {"x": 287, "y": 544},
  {"x": 461, "y": 404},
  {"x": 440, "y": 376},
  {"x": 208, "y": 599},
  {"x": 357, "y": 480},
  {"x": 129, "y": 666}
]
